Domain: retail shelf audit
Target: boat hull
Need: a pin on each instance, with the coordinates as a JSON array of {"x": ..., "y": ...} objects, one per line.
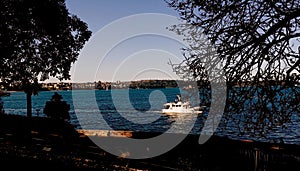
[{"x": 180, "y": 111}]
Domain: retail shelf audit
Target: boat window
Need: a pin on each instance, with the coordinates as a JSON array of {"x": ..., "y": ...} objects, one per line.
[{"x": 166, "y": 106}]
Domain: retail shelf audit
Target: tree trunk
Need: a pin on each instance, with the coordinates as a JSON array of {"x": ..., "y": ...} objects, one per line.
[{"x": 29, "y": 105}]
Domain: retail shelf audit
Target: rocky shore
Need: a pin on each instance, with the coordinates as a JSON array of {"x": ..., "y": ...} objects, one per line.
[{"x": 38, "y": 143}]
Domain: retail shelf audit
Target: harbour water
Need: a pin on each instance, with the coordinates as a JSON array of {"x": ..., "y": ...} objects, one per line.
[{"x": 140, "y": 111}]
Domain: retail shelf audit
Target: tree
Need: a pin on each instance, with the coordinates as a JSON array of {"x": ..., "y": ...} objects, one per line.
[
  {"x": 257, "y": 43},
  {"x": 38, "y": 39},
  {"x": 1, "y": 107}
]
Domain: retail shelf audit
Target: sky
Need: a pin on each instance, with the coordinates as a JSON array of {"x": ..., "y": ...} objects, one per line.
[
  {"x": 98, "y": 13},
  {"x": 129, "y": 40}
]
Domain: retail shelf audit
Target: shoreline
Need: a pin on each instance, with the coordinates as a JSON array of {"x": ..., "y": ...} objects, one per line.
[{"x": 42, "y": 142}]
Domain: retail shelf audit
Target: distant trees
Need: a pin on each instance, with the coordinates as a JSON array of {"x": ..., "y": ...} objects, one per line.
[
  {"x": 256, "y": 43},
  {"x": 38, "y": 39}
]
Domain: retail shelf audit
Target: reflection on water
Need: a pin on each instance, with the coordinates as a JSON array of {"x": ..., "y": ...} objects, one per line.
[{"x": 142, "y": 114}]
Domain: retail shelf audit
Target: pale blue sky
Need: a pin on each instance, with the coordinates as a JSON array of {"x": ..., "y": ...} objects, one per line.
[
  {"x": 136, "y": 53},
  {"x": 98, "y": 13},
  {"x": 134, "y": 58}
]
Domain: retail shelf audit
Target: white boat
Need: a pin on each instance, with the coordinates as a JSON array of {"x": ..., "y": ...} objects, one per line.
[{"x": 179, "y": 107}]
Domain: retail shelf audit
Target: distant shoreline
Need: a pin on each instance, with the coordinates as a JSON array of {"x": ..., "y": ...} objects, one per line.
[{"x": 141, "y": 84}]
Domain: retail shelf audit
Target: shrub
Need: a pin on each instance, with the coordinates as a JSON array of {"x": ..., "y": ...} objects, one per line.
[{"x": 56, "y": 108}]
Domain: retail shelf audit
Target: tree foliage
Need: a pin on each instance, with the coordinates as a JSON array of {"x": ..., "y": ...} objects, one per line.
[
  {"x": 253, "y": 37},
  {"x": 38, "y": 39},
  {"x": 256, "y": 43}
]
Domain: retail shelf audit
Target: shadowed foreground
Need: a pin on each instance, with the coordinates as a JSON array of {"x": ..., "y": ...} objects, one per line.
[{"x": 42, "y": 143}]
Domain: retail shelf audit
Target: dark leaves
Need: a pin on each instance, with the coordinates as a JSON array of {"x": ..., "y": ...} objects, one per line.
[{"x": 38, "y": 38}]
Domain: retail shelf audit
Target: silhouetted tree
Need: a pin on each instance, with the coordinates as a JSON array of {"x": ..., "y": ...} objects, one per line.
[
  {"x": 1, "y": 107},
  {"x": 38, "y": 39},
  {"x": 256, "y": 43},
  {"x": 56, "y": 108}
]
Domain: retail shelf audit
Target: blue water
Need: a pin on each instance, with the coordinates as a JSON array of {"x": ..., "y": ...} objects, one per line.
[{"x": 141, "y": 112}]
